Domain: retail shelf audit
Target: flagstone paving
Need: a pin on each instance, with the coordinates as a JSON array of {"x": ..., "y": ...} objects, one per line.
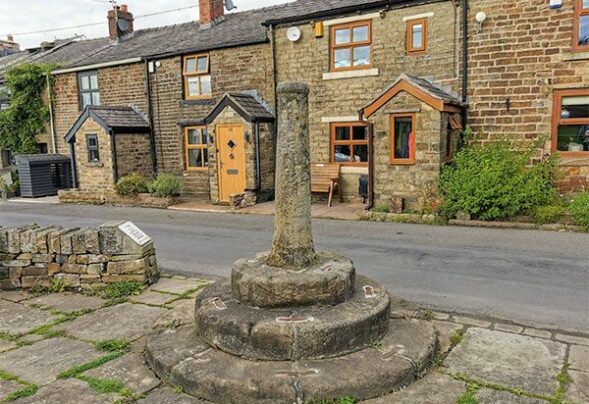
[
  {"x": 125, "y": 321},
  {"x": 493, "y": 361},
  {"x": 67, "y": 302},
  {"x": 17, "y": 319},
  {"x": 43, "y": 361}
]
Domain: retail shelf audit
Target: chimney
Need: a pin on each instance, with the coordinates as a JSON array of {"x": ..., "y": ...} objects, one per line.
[
  {"x": 10, "y": 38},
  {"x": 121, "y": 26},
  {"x": 210, "y": 11}
]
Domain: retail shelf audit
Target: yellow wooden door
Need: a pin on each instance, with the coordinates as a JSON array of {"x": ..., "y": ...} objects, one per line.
[{"x": 231, "y": 147}]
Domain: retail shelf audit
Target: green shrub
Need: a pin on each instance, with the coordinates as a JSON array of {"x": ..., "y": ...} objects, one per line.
[
  {"x": 547, "y": 214},
  {"x": 165, "y": 185},
  {"x": 580, "y": 210},
  {"x": 131, "y": 185},
  {"x": 493, "y": 182}
]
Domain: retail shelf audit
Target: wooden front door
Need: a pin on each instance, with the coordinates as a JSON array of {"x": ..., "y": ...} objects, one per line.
[{"x": 231, "y": 147}]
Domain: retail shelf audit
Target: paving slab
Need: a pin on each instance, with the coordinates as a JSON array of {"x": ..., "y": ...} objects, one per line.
[
  {"x": 516, "y": 329},
  {"x": 578, "y": 391},
  {"x": 488, "y": 396},
  {"x": 7, "y": 387},
  {"x": 40, "y": 363},
  {"x": 67, "y": 302},
  {"x": 472, "y": 321},
  {"x": 15, "y": 296},
  {"x": 445, "y": 331},
  {"x": 176, "y": 285},
  {"x": 571, "y": 339},
  {"x": 167, "y": 395},
  {"x": 152, "y": 297},
  {"x": 124, "y": 321},
  {"x": 518, "y": 361},
  {"x": 6, "y": 345},
  {"x": 17, "y": 319},
  {"x": 71, "y": 391},
  {"x": 579, "y": 358},
  {"x": 129, "y": 369},
  {"x": 433, "y": 389}
]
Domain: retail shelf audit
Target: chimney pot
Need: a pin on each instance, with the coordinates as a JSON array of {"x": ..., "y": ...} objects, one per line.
[{"x": 210, "y": 10}]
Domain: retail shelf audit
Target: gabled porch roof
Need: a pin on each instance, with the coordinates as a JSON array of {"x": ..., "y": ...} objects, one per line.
[
  {"x": 421, "y": 89},
  {"x": 112, "y": 119},
  {"x": 248, "y": 106}
]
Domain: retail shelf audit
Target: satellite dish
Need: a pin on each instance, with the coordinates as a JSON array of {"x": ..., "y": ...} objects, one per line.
[
  {"x": 123, "y": 25},
  {"x": 229, "y": 5},
  {"x": 293, "y": 34}
]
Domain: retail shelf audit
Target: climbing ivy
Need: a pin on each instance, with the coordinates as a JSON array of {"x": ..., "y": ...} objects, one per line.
[{"x": 27, "y": 113}]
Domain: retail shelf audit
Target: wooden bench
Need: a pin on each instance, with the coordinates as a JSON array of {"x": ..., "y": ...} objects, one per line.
[{"x": 325, "y": 178}]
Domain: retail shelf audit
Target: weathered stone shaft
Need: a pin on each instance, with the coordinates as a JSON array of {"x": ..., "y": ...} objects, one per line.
[{"x": 293, "y": 240}]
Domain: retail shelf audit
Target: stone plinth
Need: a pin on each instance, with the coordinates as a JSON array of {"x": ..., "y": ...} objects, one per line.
[{"x": 330, "y": 280}]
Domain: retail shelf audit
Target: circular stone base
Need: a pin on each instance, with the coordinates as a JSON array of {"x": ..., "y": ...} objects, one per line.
[
  {"x": 330, "y": 280},
  {"x": 295, "y": 333},
  {"x": 176, "y": 354}
]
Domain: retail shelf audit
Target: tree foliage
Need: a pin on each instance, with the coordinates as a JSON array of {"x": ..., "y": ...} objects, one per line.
[{"x": 28, "y": 112}]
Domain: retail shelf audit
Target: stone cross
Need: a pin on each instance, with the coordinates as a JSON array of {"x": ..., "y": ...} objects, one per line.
[{"x": 292, "y": 247}]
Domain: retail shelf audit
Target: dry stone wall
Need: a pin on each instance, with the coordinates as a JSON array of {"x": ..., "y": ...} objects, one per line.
[{"x": 116, "y": 251}]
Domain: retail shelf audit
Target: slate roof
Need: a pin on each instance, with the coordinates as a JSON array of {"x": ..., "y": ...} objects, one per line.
[
  {"x": 115, "y": 119},
  {"x": 248, "y": 106},
  {"x": 432, "y": 89}
]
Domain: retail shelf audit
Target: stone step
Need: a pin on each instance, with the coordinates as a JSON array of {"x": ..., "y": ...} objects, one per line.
[
  {"x": 176, "y": 354},
  {"x": 294, "y": 333}
]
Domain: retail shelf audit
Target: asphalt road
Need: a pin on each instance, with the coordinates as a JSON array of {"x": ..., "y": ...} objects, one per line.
[{"x": 530, "y": 277}]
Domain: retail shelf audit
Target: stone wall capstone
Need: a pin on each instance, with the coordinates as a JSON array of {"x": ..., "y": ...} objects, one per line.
[{"x": 32, "y": 256}]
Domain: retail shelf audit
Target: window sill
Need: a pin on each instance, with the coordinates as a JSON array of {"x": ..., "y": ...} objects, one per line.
[
  {"x": 94, "y": 165},
  {"x": 350, "y": 74},
  {"x": 196, "y": 171},
  {"x": 577, "y": 55},
  {"x": 201, "y": 101},
  {"x": 402, "y": 163}
]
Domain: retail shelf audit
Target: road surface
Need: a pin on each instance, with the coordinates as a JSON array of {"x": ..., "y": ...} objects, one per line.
[{"x": 530, "y": 277}]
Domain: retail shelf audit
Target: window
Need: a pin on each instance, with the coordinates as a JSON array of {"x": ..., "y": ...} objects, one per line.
[
  {"x": 195, "y": 145},
  {"x": 88, "y": 89},
  {"x": 570, "y": 132},
  {"x": 197, "y": 77},
  {"x": 349, "y": 143},
  {"x": 351, "y": 46},
  {"x": 92, "y": 146},
  {"x": 403, "y": 139},
  {"x": 417, "y": 36},
  {"x": 581, "y": 26},
  {"x": 4, "y": 96}
]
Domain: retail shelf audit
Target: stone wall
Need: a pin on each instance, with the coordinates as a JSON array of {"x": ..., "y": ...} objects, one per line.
[
  {"x": 523, "y": 53},
  {"x": 119, "y": 86},
  {"x": 133, "y": 154},
  {"x": 339, "y": 97},
  {"x": 232, "y": 70},
  {"x": 32, "y": 256}
]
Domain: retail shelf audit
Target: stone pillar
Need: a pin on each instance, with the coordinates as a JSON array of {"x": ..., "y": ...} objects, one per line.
[{"x": 293, "y": 240}]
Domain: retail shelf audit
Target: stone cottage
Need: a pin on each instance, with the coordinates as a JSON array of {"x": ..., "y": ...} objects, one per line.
[{"x": 205, "y": 88}]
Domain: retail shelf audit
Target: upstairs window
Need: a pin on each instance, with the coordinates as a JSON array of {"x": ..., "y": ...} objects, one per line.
[
  {"x": 197, "y": 77},
  {"x": 196, "y": 149},
  {"x": 417, "y": 36},
  {"x": 92, "y": 147},
  {"x": 349, "y": 143},
  {"x": 571, "y": 121},
  {"x": 89, "y": 93},
  {"x": 402, "y": 139},
  {"x": 351, "y": 46},
  {"x": 581, "y": 26}
]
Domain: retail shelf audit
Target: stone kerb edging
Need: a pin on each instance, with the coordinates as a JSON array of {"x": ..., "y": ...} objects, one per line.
[{"x": 117, "y": 251}]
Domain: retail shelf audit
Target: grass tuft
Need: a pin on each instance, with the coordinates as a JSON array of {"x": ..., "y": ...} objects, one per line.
[
  {"x": 25, "y": 392},
  {"x": 457, "y": 337},
  {"x": 469, "y": 396},
  {"x": 78, "y": 370},
  {"x": 113, "y": 345},
  {"x": 341, "y": 400}
]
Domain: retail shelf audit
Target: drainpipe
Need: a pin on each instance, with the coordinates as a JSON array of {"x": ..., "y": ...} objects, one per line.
[
  {"x": 115, "y": 163},
  {"x": 52, "y": 126},
  {"x": 370, "y": 166},
  {"x": 73, "y": 165},
  {"x": 258, "y": 162},
  {"x": 465, "y": 61},
  {"x": 151, "y": 125},
  {"x": 275, "y": 84}
]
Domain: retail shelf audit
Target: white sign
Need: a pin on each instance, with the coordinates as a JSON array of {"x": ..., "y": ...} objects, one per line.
[{"x": 135, "y": 233}]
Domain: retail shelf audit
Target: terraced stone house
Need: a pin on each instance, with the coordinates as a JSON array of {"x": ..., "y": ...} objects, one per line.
[{"x": 393, "y": 84}]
